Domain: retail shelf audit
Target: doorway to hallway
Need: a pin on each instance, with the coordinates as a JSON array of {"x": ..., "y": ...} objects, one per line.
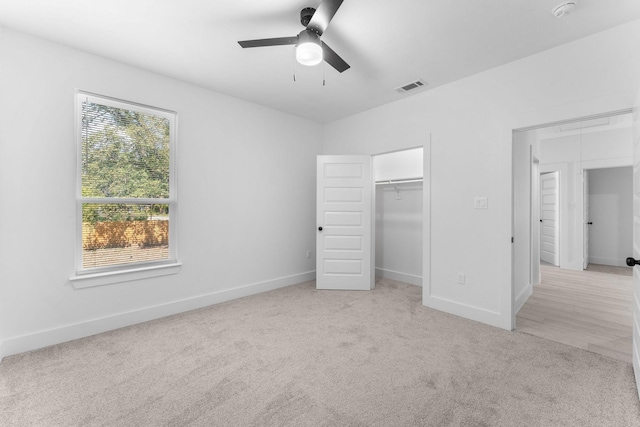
[{"x": 587, "y": 309}]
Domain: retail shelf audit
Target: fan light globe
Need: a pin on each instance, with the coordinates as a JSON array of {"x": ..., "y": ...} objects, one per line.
[
  {"x": 309, "y": 48},
  {"x": 309, "y": 54}
]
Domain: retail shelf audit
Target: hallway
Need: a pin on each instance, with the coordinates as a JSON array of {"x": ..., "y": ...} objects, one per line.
[{"x": 589, "y": 309}]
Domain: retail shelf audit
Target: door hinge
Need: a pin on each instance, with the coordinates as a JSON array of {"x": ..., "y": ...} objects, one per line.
[{"x": 512, "y": 240}]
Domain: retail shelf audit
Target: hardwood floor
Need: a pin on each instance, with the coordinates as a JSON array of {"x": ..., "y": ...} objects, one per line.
[{"x": 589, "y": 309}]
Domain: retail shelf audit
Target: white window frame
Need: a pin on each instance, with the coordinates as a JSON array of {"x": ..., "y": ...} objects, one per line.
[{"x": 89, "y": 277}]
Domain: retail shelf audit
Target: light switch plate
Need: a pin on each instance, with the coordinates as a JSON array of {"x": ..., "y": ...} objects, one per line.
[{"x": 481, "y": 203}]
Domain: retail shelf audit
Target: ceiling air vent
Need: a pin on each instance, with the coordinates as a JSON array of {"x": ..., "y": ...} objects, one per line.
[{"x": 410, "y": 86}]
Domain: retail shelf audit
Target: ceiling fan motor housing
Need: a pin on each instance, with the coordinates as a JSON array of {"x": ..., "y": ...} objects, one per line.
[
  {"x": 305, "y": 15},
  {"x": 310, "y": 50}
]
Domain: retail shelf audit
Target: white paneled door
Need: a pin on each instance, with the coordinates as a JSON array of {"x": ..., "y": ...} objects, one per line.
[
  {"x": 344, "y": 243},
  {"x": 549, "y": 227},
  {"x": 636, "y": 243},
  {"x": 585, "y": 217}
]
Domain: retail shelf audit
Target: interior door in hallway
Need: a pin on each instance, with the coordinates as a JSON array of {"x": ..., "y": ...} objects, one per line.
[
  {"x": 585, "y": 216},
  {"x": 549, "y": 226},
  {"x": 344, "y": 242}
]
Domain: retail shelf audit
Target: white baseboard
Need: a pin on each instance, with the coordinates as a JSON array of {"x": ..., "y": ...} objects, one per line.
[
  {"x": 618, "y": 262},
  {"x": 522, "y": 297},
  {"x": 59, "y": 335},
  {"x": 400, "y": 277},
  {"x": 467, "y": 311}
]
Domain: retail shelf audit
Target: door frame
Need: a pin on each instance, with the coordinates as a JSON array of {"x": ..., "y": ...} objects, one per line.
[
  {"x": 406, "y": 278},
  {"x": 589, "y": 165},
  {"x": 426, "y": 211},
  {"x": 593, "y": 167},
  {"x": 536, "y": 203}
]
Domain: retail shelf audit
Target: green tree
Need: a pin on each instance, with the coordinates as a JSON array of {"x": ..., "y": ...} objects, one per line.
[{"x": 125, "y": 154}]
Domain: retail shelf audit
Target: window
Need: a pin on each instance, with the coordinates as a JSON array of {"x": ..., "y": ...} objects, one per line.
[{"x": 126, "y": 186}]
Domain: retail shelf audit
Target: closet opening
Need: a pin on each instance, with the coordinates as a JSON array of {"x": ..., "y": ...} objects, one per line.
[{"x": 399, "y": 217}]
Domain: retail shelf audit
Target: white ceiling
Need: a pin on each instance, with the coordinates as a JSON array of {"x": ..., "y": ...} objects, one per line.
[{"x": 387, "y": 43}]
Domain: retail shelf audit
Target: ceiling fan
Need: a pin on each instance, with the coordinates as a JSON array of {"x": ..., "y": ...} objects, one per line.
[{"x": 310, "y": 50}]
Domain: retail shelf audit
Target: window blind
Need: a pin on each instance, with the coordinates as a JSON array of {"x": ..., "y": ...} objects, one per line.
[{"x": 125, "y": 184}]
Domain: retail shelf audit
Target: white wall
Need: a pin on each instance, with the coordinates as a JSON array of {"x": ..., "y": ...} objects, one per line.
[
  {"x": 398, "y": 165},
  {"x": 246, "y": 196},
  {"x": 589, "y": 149},
  {"x": 471, "y": 124},
  {"x": 399, "y": 232},
  {"x": 611, "y": 211}
]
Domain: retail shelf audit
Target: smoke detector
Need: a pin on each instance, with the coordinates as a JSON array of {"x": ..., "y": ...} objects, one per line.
[{"x": 563, "y": 9}]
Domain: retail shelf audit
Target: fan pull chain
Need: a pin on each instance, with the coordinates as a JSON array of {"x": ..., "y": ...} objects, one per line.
[{"x": 323, "y": 80}]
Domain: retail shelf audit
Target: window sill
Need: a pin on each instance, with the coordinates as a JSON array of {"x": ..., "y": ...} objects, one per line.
[{"x": 81, "y": 281}]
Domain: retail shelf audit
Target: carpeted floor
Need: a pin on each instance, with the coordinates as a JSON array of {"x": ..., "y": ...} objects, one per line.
[{"x": 301, "y": 357}]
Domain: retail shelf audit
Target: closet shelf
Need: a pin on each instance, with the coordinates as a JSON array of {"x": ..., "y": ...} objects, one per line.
[{"x": 398, "y": 181}]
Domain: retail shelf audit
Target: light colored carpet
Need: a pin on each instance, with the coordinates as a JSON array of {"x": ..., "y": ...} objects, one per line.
[{"x": 301, "y": 357}]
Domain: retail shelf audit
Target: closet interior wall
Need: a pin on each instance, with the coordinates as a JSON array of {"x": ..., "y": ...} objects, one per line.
[{"x": 399, "y": 216}]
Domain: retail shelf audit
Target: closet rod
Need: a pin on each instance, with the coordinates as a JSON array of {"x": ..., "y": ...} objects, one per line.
[{"x": 398, "y": 181}]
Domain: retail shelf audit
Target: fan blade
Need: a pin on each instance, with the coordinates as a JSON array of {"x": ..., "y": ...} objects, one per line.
[
  {"x": 323, "y": 15},
  {"x": 280, "y": 41},
  {"x": 333, "y": 59}
]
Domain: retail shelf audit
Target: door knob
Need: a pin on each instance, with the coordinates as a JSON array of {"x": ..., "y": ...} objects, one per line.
[
  {"x": 589, "y": 223},
  {"x": 319, "y": 228},
  {"x": 631, "y": 262}
]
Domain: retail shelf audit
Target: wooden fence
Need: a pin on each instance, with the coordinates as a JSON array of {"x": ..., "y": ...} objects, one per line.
[{"x": 120, "y": 234}]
